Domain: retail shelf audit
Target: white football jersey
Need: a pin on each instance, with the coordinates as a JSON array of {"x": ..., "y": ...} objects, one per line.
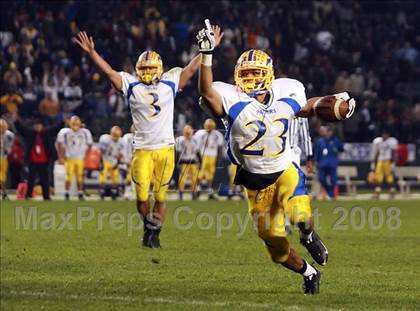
[
  {"x": 75, "y": 143},
  {"x": 209, "y": 142},
  {"x": 111, "y": 149},
  {"x": 6, "y": 143},
  {"x": 384, "y": 148},
  {"x": 187, "y": 149},
  {"x": 257, "y": 134},
  {"x": 152, "y": 109},
  {"x": 129, "y": 144}
]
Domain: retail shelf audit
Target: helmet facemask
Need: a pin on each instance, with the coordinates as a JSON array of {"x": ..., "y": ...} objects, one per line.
[
  {"x": 149, "y": 67},
  {"x": 254, "y": 72}
]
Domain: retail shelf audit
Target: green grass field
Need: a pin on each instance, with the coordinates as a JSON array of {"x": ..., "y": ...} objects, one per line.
[{"x": 95, "y": 266}]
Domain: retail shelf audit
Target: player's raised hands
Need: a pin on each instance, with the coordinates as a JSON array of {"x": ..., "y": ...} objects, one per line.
[
  {"x": 209, "y": 37},
  {"x": 218, "y": 34},
  {"x": 85, "y": 42}
]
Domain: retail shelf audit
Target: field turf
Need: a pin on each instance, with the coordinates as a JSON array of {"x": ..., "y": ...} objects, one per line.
[{"x": 91, "y": 266}]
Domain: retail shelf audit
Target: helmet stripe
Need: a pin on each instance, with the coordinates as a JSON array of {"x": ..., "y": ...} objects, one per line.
[
  {"x": 250, "y": 55},
  {"x": 147, "y": 55}
]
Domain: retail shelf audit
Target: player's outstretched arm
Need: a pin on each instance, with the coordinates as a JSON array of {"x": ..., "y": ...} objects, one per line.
[
  {"x": 208, "y": 39},
  {"x": 330, "y": 108},
  {"x": 189, "y": 70},
  {"x": 87, "y": 44}
]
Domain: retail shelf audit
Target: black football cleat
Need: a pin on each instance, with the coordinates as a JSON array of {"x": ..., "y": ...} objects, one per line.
[
  {"x": 311, "y": 283},
  {"x": 155, "y": 240},
  {"x": 147, "y": 238},
  {"x": 316, "y": 248}
]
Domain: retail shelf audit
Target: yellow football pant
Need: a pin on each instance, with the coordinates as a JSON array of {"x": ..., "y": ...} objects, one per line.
[
  {"x": 3, "y": 169},
  {"x": 190, "y": 170},
  {"x": 383, "y": 172},
  {"x": 74, "y": 168},
  {"x": 146, "y": 164},
  {"x": 208, "y": 168},
  {"x": 109, "y": 169},
  {"x": 268, "y": 207}
]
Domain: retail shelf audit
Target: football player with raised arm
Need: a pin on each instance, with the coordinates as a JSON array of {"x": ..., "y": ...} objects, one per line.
[
  {"x": 151, "y": 96},
  {"x": 72, "y": 144},
  {"x": 259, "y": 109}
]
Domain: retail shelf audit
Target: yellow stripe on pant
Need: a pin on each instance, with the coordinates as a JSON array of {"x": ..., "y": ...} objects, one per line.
[
  {"x": 162, "y": 162},
  {"x": 268, "y": 206}
]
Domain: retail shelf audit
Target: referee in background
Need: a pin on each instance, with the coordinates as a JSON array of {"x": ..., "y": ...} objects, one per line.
[{"x": 301, "y": 144}]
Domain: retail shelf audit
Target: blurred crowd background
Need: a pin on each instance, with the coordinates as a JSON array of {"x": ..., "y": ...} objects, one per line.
[{"x": 369, "y": 47}]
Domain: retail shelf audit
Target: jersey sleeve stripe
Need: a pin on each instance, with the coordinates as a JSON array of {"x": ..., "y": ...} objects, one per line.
[
  {"x": 292, "y": 103},
  {"x": 130, "y": 88},
  {"x": 235, "y": 110},
  {"x": 171, "y": 85}
]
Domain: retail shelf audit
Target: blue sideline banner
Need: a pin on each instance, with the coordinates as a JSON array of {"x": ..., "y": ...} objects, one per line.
[{"x": 360, "y": 152}]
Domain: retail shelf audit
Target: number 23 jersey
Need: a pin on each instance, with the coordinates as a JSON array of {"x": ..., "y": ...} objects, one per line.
[{"x": 256, "y": 132}]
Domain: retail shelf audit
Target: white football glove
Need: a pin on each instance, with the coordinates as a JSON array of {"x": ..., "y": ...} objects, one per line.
[
  {"x": 350, "y": 100},
  {"x": 205, "y": 38}
]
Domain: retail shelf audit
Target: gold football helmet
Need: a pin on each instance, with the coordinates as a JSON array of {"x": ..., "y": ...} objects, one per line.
[
  {"x": 149, "y": 67},
  {"x": 254, "y": 72}
]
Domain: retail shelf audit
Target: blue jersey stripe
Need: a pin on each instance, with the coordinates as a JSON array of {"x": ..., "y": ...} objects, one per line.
[
  {"x": 300, "y": 187},
  {"x": 171, "y": 85},
  {"x": 292, "y": 103},
  {"x": 130, "y": 88},
  {"x": 235, "y": 110}
]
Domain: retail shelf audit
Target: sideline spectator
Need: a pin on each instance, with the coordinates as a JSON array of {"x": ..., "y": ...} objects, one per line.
[{"x": 40, "y": 152}]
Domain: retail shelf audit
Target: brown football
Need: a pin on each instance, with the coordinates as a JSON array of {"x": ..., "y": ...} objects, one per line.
[{"x": 329, "y": 108}]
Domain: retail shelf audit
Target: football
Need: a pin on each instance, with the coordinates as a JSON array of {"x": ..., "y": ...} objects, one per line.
[{"x": 329, "y": 108}]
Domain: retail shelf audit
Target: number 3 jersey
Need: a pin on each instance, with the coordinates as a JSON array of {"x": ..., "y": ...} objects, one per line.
[
  {"x": 257, "y": 133},
  {"x": 152, "y": 109}
]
